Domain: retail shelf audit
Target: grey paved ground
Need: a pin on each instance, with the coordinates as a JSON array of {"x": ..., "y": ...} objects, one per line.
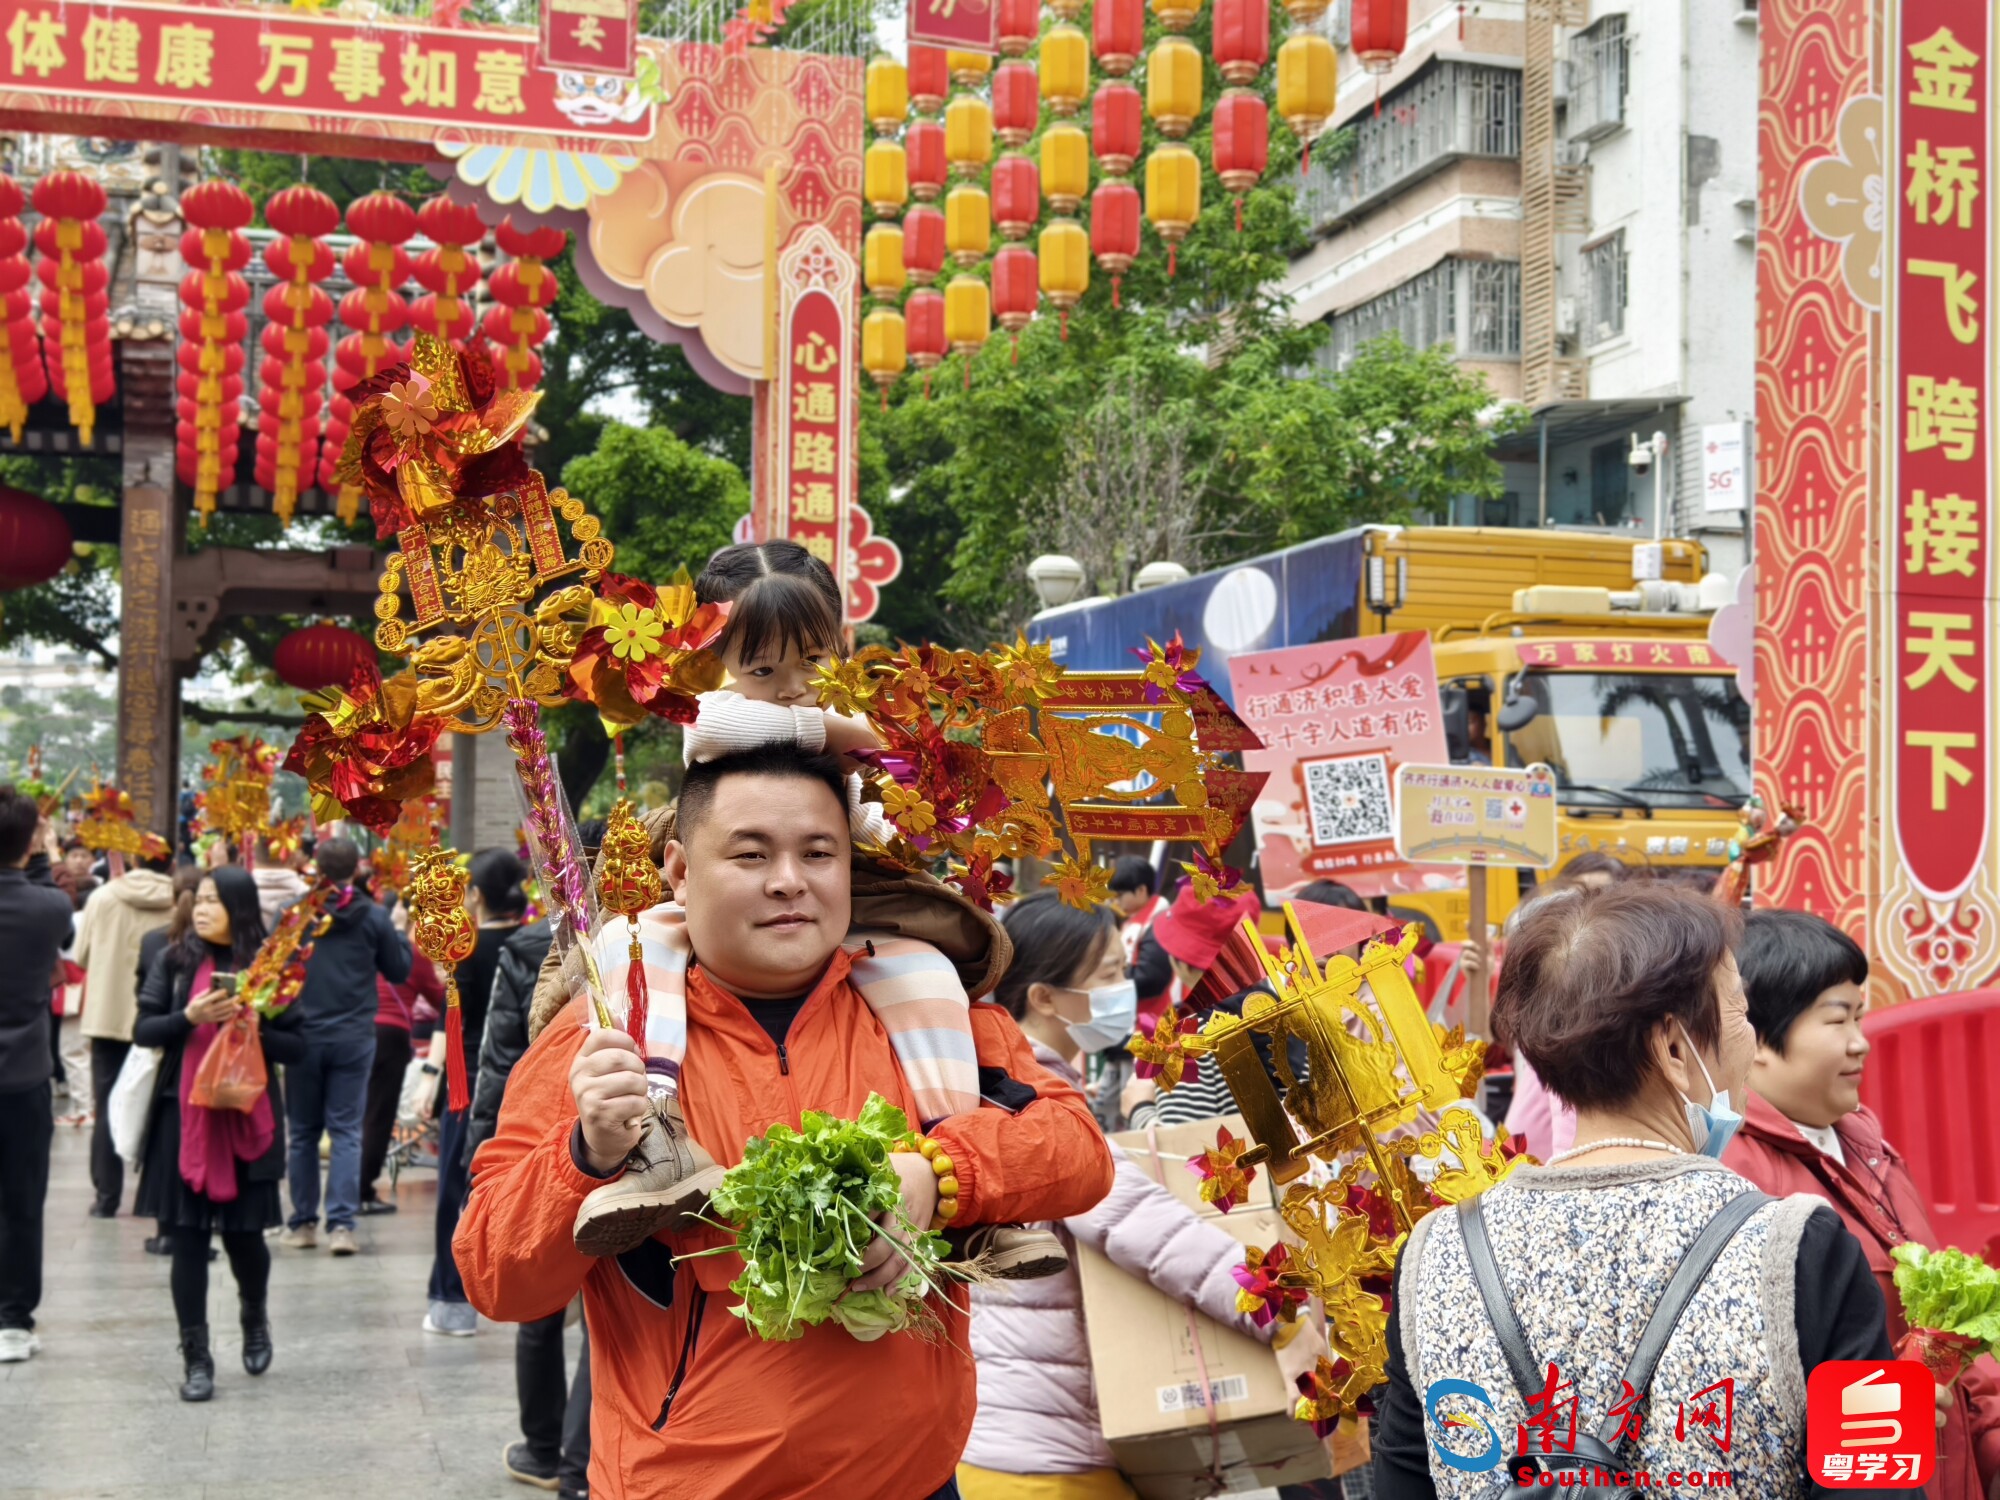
[{"x": 359, "y": 1402}]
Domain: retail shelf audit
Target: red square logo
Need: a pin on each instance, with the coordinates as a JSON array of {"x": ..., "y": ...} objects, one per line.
[{"x": 1871, "y": 1424}]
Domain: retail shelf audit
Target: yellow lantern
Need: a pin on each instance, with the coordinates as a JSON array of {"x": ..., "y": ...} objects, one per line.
[
  {"x": 884, "y": 350},
  {"x": 885, "y": 177},
  {"x": 1306, "y": 13},
  {"x": 1065, "y": 63},
  {"x": 1065, "y": 266},
  {"x": 1173, "y": 85},
  {"x": 1173, "y": 196},
  {"x": 1178, "y": 15},
  {"x": 888, "y": 95},
  {"x": 1065, "y": 167},
  {"x": 882, "y": 261},
  {"x": 968, "y": 317},
  {"x": 968, "y": 69},
  {"x": 968, "y": 224},
  {"x": 968, "y": 135},
  {"x": 1066, "y": 10},
  {"x": 1306, "y": 79}
]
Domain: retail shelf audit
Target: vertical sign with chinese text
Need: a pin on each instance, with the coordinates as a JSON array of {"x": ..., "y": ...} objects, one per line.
[
  {"x": 963, "y": 25},
  {"x": 1337, "y": 719},
  {"x": 814, "y": 421},
  {"x": 1939, "y": 584},
  {"x": 590, "y": 36}
]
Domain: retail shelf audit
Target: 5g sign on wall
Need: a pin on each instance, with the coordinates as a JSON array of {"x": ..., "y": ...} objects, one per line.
[{"x": 1725, "y": 476}]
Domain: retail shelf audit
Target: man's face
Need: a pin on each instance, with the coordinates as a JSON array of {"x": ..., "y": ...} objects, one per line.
[
  {"x": 1815, "y": 1078},
  {"x": 78, "y": 862},
  {"x": 1131, "y": 903},
  {"x": 765, "y": 881}
]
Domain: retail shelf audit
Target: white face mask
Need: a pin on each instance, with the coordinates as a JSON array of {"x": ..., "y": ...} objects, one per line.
[
  {"x": 1114, "y": 1010},
  {"x": 1715, "y": 1123}
]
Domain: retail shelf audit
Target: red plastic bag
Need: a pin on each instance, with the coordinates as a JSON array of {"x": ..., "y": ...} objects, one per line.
[{"x": 232, "y": 1073}]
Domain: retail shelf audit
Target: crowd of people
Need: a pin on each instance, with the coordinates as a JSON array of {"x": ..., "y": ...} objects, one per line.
[{"x": 1688, "y": 1079}]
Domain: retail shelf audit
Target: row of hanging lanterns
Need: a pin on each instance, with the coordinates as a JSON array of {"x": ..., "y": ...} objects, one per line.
[
  {"x": 295, "y": 341},
  {"x": 213, "y": 326},
  {"x": 945, "y": 157},
  {"x": 76, "y": 294},
  {"x": 23, "y": 381}
]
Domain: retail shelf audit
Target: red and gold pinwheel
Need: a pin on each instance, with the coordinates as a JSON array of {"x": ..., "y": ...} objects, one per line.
[
  {"x": 365, "y": 749},
  {"x": 1165, "y": 1054},
  {"x": 1263, "y": 1294},
  {"x": 647, "y": 651},
  {"x": 1225, "y": 1182}
]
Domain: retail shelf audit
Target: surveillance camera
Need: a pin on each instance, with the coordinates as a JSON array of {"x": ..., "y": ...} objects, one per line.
[{"x": 1641, "y": 456}]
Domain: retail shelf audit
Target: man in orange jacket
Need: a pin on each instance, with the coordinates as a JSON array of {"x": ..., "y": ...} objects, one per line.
[{"x": 687, "y": 1401}]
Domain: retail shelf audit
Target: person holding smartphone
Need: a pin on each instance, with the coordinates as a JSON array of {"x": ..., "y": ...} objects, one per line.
[{"x": 209, "y": 1171}]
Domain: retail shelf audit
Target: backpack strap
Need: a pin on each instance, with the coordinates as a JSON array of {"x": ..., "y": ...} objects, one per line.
[
  {"x": 1687, "y": 1279},
  {"x": 1499, "y": 1306}
]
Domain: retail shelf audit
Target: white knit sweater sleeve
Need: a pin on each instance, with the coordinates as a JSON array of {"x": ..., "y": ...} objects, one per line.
[{"x": 727, "y": 722}]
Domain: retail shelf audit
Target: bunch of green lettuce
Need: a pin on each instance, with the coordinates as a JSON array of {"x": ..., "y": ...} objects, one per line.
[
  {"x": 804, "y": 1204},
  {"x": 1949, "y": 1290}
]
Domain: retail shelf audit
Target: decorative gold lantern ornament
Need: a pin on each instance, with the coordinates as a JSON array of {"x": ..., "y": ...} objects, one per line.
[
  {"x": 1173, "y": 196},
  {"x": 1065, "y": 167},
  {"x": 1065, "y": 266},
  {"x": 442, "y": 929},
  {"x": 887, "y": 92},
  {"x": 1307, "y": 79},
  {"x": 884, "y": 348},
  {"x": 968, "y": 224},
  {"x": 628, "y": 883},
  {"x": 885, "y": 178},
  {"x": 968, "y": 319},
  {"x": 1173, "y": 86}
]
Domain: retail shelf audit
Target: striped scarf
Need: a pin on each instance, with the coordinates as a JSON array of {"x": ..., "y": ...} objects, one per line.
[{"x": 911, "y": 987}]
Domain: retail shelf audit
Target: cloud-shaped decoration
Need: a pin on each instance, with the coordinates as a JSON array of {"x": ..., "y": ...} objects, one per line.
[
  {"x": 1732, "y": 631},
  {"x": 540, "y": 181},
  {"x": 698, "y": 257}
]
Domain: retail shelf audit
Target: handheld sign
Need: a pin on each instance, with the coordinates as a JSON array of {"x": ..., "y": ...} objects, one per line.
[{"x": 1476, "y": 815}]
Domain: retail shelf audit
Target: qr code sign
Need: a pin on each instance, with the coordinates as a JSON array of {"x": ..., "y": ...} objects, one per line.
[{"x": 1348, "y": 799}]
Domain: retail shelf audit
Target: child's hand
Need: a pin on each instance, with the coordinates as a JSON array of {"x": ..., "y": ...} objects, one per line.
[{"x": 845, "y": 735}]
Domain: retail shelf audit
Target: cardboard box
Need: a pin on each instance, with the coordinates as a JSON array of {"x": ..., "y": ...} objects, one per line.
[
  {"x": 1149, "y": 1393},
  {"x": 1178, "y": 1145}
]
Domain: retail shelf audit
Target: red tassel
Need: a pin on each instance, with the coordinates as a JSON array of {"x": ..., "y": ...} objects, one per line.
[
  {"x": 1306, "y": 159},
  {"x": 1116, "y": 282},
  {"x": 1016, "y": 357},
  {"x": 1065, "y": 325},
  {"x": 968, "y": 372},
  {"x": 1173, "y": 257},
  {"x": 1378, "y": 96},
  {"x": 636, "y": 995},
  {"x": 885, "y": 398},
  {"x": 1239, "y": 213},
  {"x": 458, "y": 1088},
  {"x": 927, "y": 385}
]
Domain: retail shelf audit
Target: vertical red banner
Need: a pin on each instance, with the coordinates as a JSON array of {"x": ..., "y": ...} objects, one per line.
[
  {"x": 964, "y": 25},
  {"x": 814, "y": 453},
  {"x": 1936, "y": 430}
]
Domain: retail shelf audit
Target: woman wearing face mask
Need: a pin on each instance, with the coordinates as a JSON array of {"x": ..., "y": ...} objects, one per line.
[
  {"x": 1628, "y": 1004},
  {"x": 1037, "y": 1434}
]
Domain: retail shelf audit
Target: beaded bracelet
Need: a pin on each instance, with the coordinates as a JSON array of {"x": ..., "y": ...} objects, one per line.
[{"x": 947, "y": 1181}]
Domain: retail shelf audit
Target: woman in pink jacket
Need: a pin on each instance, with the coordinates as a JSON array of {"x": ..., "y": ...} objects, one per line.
[{"x": 1037, "y": 1435}]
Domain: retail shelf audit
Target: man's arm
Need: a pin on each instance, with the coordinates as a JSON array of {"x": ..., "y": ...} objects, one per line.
[
  {"x": 515, "y": 1245},
  {"x": 1042, "y": 1156}
]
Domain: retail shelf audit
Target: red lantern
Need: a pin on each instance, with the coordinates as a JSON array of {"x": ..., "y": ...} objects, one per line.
[
  {"x": 923, "y": 321},
  {"x": 1242, "y": 39},
  {"x": 23, "y": 381},
  {"x": 930, "y": 79},
  {"x": 320, "y": 656},
  {"x": 75, "y": 312},
  {"x": 1017, "y": 290},
  {"x": 522, "y": 287},
  {"x": 1379, "y": 31},
  {"x": 449, "y": 272},
  {"x": 923, "y": 247},
  {"x": 1020, "y": 26},
  {"x": 1117, "y": 116},
  {"x": 1114, "y": 230},
  {"x": 1118, "y": 35},
  {"x": 217, "y": 248},
  {"x": 35, "y": 540},
  {"x": 1017, "y": 102},
  {"x": 1242, "y": 143},
  {"x": 923, "y": 154},
  {"x": 1017, "y": 196}
]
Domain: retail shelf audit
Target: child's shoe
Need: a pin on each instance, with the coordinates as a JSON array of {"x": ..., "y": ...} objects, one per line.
[{"x": 667, "y": 1180}]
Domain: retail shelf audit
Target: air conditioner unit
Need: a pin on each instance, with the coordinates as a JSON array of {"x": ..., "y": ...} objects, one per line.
[
  {"x": 1566, "y": 319},
  {"x": 1572, "y": 153},
  {"x": 1602, "y": 332},
  {"x": 1563, "y": 79}
]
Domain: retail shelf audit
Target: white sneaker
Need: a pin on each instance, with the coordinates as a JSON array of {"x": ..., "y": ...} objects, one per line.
[
  {"x": 17, "y": 1344},
  {"x": 457, "y": 1319},
  {"x": 305, "y": 1237}
]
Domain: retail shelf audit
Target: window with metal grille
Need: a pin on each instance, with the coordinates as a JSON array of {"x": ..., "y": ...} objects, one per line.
[
  {"x": 1604, "y": 289},
  {"x": 1598, "y": 78},
  {"x": 1453, "y": 110},
  {"x": 1471, "y": 306}
]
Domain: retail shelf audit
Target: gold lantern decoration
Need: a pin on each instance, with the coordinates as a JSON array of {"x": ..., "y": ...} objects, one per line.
[
  {"x": 1065, "y": 161},
  {"x": 882, "y": 267},
  {"x": 1065, "y": 266},
  {"x": 968, "y": 69},
  {"x": 887, "y": 92},
  {"x": 885, "y": 178},
  {"x": 884, "y": 348},
  {"x": 1173, "y": 196},
  {"x": 1065, "y": 63},
  {"x": 968, "y": 317},
  {"x": 1173, "y": 86},
  {"x": 968, "y": 135},
  {"x": 1179, "y": 15},
  {"x": 968, "y": 224},
  {"x": 1307, "y": 77}
]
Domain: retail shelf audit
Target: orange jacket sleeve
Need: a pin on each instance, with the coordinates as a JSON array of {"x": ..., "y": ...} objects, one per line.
[
  {"x": 514, "y": 1244},
  {"x": 1049, "y": 1161}
]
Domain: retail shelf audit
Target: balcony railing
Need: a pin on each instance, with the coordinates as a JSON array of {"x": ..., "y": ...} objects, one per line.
[
  {"x": 1473, "y": 307},
  {"x": 1455, "y": 109}
]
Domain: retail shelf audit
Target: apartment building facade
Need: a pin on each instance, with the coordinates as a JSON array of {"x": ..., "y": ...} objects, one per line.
[{"x": 1562, "y": 192}]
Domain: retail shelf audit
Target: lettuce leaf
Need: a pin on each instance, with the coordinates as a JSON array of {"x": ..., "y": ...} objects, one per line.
[
  {"x": 1949, "y": 1290},
  {"x": 804, "y": 1204}
]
